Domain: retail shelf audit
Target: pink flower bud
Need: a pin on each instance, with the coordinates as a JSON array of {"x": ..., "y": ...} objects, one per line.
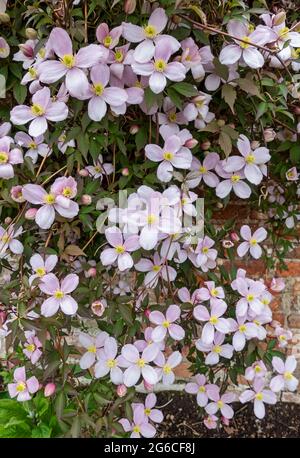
[
  {"x": 86, "y": 199},
  {"x": 134, "y": 129},
  {"x": 225, "y": 421},
  {"x": 129, "y": 6},
  {"x": 8, "y": 220},
  {"x": 234, "y": 236},
  {"x": 191, "y": 143},
  {"x": 49, "y": 389},
  {"x": 148, "y": 386},
  {"x": 269, "y": 135},
  {"x": 147, "y": 313},
  {"x": 125, "y": 172},
  {"x": 30, "y": 214},
  {"x": 83, "y": 173},
  {"x": 205, "y": 145},
  {"x": 16, "y": 194},
  {"x": 255, "y": 144},
  {"x": 292, "y": 174},
  {"x": 3, "y": 316},
  {"x": 121, "y": 390},
  {"x": 98, "y": 307},
  {"x": 92, "y": 272}
]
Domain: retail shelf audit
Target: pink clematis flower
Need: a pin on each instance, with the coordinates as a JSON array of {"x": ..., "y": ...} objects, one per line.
[
  {"x": 148, "y": 35},
  {"x": 108, "y": 362},
  {"x": 35, "y": 145},
  {"x": 285, "y": 379},
  {"x": 251, "y": 241},
  {"x": 4, "y": 48},
  {"x": 233, "y": 182},
  {"x": 165, "y": 324},
  {"x": 243, "y": 331},
  {"x": 41, "y": 266},
  {"x": 173, "y": 154},
  {"x": 154, "y": 415},
  {"x": 195, "y": 58},
  {"x": 252, "y": 162},
  {"x": 205, "y": 255},
  {"x": 22, "y": 388},
  {"x": 251, "y": 292},
  {"x": 100, "y": 169},
  {"x": 256, "y": 370},
  {"x": 283, "y": 336},
  {"x": 121, "y": 249},
  {"x": 160, "y": 69},
  {"x": 8, "y": 158},
  {"x": 260, "y": 396},
  {"x": 60, "y": 294},
  {"x": 70, "y": 65},
  {"x": 166, "y": 366},
  {"x": 8, "y": 239},
  {"x": 32, "y": 77},
  {"x": 108, "y": 38},
  {"x": 138, "y": 365},
  {"x": 93, "y": 346},
  {"x": 221, "y": 403},
  {"x": 170, "y": 114},
  {"x": 215, "y": 349},
  {"x": 26, "y": 53},
  {"x": 203, "y": 390},
  {"x": 100, "y": 95},
  {"x": 211, "y": 422},
  {"x": 50, "y": 202},
  {"x": 41, "y": 111},
  {"x": 32, "y": 347},
  {"x": 5, "y": 129},
  {"x": 204, "y": 172},
  {"x": 63, "y": 145},
  {"x": 245, "y": 50},
  {"x": 155, "y": 269},
  {"x": 140, "y": 427},
  {"x": 213, "y": 321}
]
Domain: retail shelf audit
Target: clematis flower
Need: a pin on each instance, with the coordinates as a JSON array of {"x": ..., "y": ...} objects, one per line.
[
  {"x": 64, "y": 189},
  {"x": 170, "y": 114},
  {"x": 100, "y": 169},
  {"x": 140, "y": 427},
  {"x": 60, "y": 294},
  {"x": 221, "y": 403},
  {"x": 155, "y": 269},
  {"x": 16, "y": 193},
  {"x": 198, "y": 108},
  {"x": 154, "y": 415},
  {"x": 108, "y": 38},
  {"x": 243, "y": 331},
  {"x": 22, "y": 388},
  {"x": 195, "y": 58},
  {"x": 165, "y": 324},
  {"x": 211, "y": 422},
  {"x": 166, "y": 366},
  {"x": 100, "y": 95},
  {"x": 50, "y": 203},
  {"x": 5, "y": 129},
  {"x": 63, "y": 145},
  {"x": 256, "y": 370},
  {"x": 4, "y": 48},
  {"x": 245, "y": 50},
  {"x": 160, "y": 69},
  {"x": 8, "y": 239},
  {"x": 173, "y": 154},
  {"x": 205, "y": 255},
  {"x": 283, "y": 336},
  {"x": 70, "y": 65},
  {"x": 108, "y": 362},
  {"x": 41, "y": 266},
  {"x": 203, "y": 390},
  {"x": 32, "y": 347},
  {"x": 233, "y": 182},
  {"x": 215, "y": 349},
  {"x": 251, "y": 241},
  {"x": 93, "y": 346},
  {"x": 26, "y": 53},
  {"x": 260, "y": 396},
  {"x": 41, "y": 111},
  {"x": 250, "y": 291},
  {"x": 285, "y": 379},
  {"x": 35, "y": 145},
  {"x": 138, "y": 365},
  {"x": 8, "y": 158},
  {"x": 213, "y": 320},
  {"x": 252, "y": 162},
  {"x": 203, "y": 171},
  {"x": 148, "y": 36},
  {"x": 32, "y": 77},
  {"x": 121, "y": 249},
  {"x": 214, "y": 80},
  {"x": 292, "y": 174}
]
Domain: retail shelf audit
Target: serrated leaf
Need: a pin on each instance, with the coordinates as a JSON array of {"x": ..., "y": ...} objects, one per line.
[
  {"x": 225, "y": 143},
  {"x": 74, "y": 250},
  {"x": 248, "y": 86},
  {"x": 186, "y": 89},
  {"x": 229, "y": 95}
]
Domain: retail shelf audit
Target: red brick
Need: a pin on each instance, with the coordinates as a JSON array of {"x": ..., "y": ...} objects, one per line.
[
  {"x": 279, "y": 316},
  {"x": 231, "y": 211},
  {"x": 294, "y": 320},
  {"x": 293, "y": 270},
  {"x": 275, "y": 304}
]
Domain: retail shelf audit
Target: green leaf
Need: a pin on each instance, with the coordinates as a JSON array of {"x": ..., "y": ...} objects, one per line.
[
  {"x": 150, "y": 97},
  {"x": 186, "y": 89},
  {"x": 248, "y": 86},
  {"x": 20, "y": 93},
  {"x": 220, "y": 69},
  {"x": 225, "y": 143},
  {"x": 175, "y": 97},
  {"x": 295, "y": 154},
  {"x": 229, "y": 95}
]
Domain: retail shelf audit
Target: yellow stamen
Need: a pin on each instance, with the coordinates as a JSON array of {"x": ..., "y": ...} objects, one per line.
[
  {"x": 245, "y": 43},
  {"x": 288, "y": 375},
  {"x": 160, "y": 65},
  {"x": 250, "y": 297},
  {"x": 220, "y": 404},
  {"x": 150, "y": 31},
  {"x": 3, "y": 157},
  {"x": 156, "y": 268},
  {"x": 49, "y": 199},
  {"x": 136, "y": 429},
  {"x": 242, "y": 328},
  {"x": 37, "y": 110},
  {"x": 167, "y": 369},
  {"x": 253, "y": 242},
  {"x": 21, "y": 387},
  {"x": 217, "y": 349},
  {"x": 67, "y": 192},
  {"x": 141, "y": 363},
  {"x": 68, "y": 60},
  {"x": 166, "y": 324},
  {"x": 147, "y": 411},
  {"x": 111, "y": 363},
  {"x": 120, "y": 249},
  {"x": 213, "y": 319},
  {"x": 40, "y": 271},
  {"x": 107, "y": 41},
  {"x": 235, "y": 178},
  {"x": 202, "y": 169},
  {"x": 119, "y": 56},
  {"x": 259, "y": 396},
  {"x": 250, "y": 159},
  {"x": 30, "y": 347},
  {"x": 151, "y": 219},
  {"x": 168, "y": 156},
  {"x": 98, "y": 89},
  {"x": 58, "y": 294}
]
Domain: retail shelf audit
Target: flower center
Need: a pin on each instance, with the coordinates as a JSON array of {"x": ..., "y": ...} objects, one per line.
[
  {"x": 172, "y": 117},
  {"x": 3, "y": 157},
  {"x": 67, "y": 192},
  {"x": 250, "y": 297},
  {"x": 32, "y": 72},
  {"x": 253, "y": 242},
  {"x": 150, "y": 31},
  {"x": 295, "y": 53},
  {"x": 120, "y": 249},
  {"x": 166, "y": 324},
  {"x": 168, "y": 156},
  {"x": 98, "y": 168},
  {"x": 40, "y": 271},
  {"x": 160, "y": 65},
  {"x": 21, "y": 387},
  {"x": 147, "y": 411},
  {"x": 136, "y": 429},
  {"x": 257, "y": 369},
  {"x": 235, "y": 178},
  {"x": 202, "y": 389},
  {"x": 98, "y": 89},
  {"x": 151, "y": 219},
  {"x": 119, "y": 56},
  {"x": 30, "y": 347},
  {"x": 92, "y": 349},
  {"x": 282, "y": 337},
  {"x": 58, "y": 294},
  {"x": 5, "y": 238},
  {"x": 245, "y": 43},
  {"x": 156, "y": 268},
  {"x": 265, "y": 301},
  {"x": 242, "y": 328},
  {"x": 220, "y": 404},
  {"x": 250, "y": 159},
  {"x": 37, "y": 110},
  {"x": 205, "y": 249},
  {"x": 214, "y": 292},
  {"x": 288, "y": 375},
  {"x": 111, "y": 363},
  {"x": 68, "y": 60},
  {"x": 107, "y": 41},
  {"x": 167, "y": 369},
  {"x": 284, "y": 31},
  {"x": 32, "y": 145},
  {"x": 42, "y": 53},
  {"x": 49, "y": 199},
  {"x": 217, "y": 349},
  {"x": 259, "y": 396},
  {"x": 202, "y": 169},
  {"x": 62, "y": 138},
  {"x": 213, "y": 319},
  {"x": 141, "y": 363}
]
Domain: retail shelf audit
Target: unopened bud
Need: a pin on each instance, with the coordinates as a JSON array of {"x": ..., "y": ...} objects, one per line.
[
  {"x": 83, "y": 173},
  {"x": 98, "y": 307},
  {"x": 134, "y": 129},
  {"x": 234, "y": 236},
  {"x": 121, "y": 390},
  {"x": 147, "y": 313},
  {"x": 31, "y": 33},
  {"x": 92, "y": 272},
  {"x": 296, "y": 110},
  {"x": 4, "y": 18},
  {"x": 125, "y": 172},
  {"x": 176, "y": 19},
  {"x": 8, "y": 220},
  {"x": 30, "y": 214},
  {"x": 191, "y": 143},
  {"x": 280, "y": 18},
  {"x": 86, "y": 199},
  {"x": 49, "y": 389},
  {"x": 269, "y": 135},
  {"x": 129, "y": 6},
  {"x": 205, "y": 145}
]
